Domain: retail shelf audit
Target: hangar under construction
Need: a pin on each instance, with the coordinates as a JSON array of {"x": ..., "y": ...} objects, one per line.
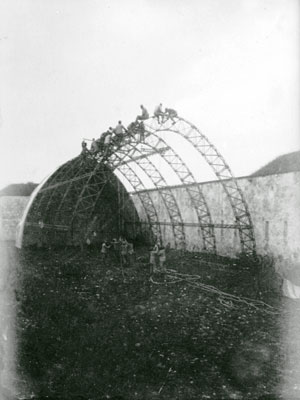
[
  {"x": 117, "y": 322},
  {"x": 86, "y": 196}
]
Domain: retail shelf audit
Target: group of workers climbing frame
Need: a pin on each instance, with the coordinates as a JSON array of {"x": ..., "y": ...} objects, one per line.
[
  {"x": 113, "y": 138},
  {"x": 121, "y": 250}
]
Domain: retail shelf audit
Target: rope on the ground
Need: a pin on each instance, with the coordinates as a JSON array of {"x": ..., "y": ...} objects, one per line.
[
  {"x": 226, "y": 299},
  {"x": 226, "y": 303}
]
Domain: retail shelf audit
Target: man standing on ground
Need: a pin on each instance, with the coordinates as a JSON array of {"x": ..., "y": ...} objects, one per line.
[
  {"x": 153, "y": 255},
  {"x": 104, "y": 251},
  {"x": 162, "y": 258},
  {"x": 124, "y": 252}
]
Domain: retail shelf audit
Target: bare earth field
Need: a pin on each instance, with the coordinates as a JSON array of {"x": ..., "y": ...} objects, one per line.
[{"x": 91, "y": 331}]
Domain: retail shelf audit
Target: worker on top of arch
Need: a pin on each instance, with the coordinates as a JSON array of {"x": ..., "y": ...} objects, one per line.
[
  {"x": 94, "y": 146},
  {"x": 137, "y": 131},
  {"x": 141, "y": 132},
  {"x": 171, "y": 114},
  {"x": 101, "y": 141},
  {"x": 132, "y": 128},
  {"x": 119, "y": 131},
  {"x": 143, "y": 116},
  {"x": 159, "y": 114},
  {"x": 107, "y": 142},
  {"x": 84, "y": 149}
]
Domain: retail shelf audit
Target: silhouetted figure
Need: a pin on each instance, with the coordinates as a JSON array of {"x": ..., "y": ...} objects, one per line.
[
  {"x": 171, "y": 114},
  {"x": 84, "y": 149},
  {"x": 159, "y": 114},
  {"x": 124, "y": 252},
  {"x": 141, "y": 132},
  {"x": 162, "y": 258},
  {"x": 116, "y": 249},
  {"x": 132, "y": 129},
  {"x": 94, "y": 146},
  {"x": 104, "y": 251},
  {"x": 153, "y": 256},
  {"x": 107, "y": 142},
  {"x": 143, "y": 116},
  {"x": 131, "y": 253}
]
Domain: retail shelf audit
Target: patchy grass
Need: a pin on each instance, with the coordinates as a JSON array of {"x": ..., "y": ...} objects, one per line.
[{"x": 98, "y": 332}]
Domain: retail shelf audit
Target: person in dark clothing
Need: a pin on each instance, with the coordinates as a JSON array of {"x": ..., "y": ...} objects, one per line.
[
  {"x": 116, "y": 249},
  {"x": 143, "y": 116},
  {"x": 94, "y": 146},
  {"x": 141, "y": 132},
  {"x": 132, "y": 129},
  {"x": 124, "y": 252},
  {"x": 104, "y": 251},
  {"x": 159, "y": 114},
  {"x": 84, "y": 149},
  {"x": 171, "y": 114}
]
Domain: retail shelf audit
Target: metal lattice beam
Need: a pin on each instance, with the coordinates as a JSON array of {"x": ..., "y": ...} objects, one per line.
[
  {"x": 45, "y": 198},
  {"x": 85, "y": 180},
  {"x": 221, "y": 169},
  {"x": 133, "y": 179},
  {"x": 159, "y": 181},
  {"x": 158, "y": 146}
]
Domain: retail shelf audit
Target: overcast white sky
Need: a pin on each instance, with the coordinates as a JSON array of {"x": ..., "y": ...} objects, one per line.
[{"x": 71, "y": 68}]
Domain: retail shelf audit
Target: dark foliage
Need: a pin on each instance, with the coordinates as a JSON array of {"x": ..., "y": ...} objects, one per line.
[
  {"x": 286, "y": 163},
  {"x": 18, "y": 189}
]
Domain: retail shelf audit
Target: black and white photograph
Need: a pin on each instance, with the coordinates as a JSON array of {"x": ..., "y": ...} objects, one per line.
[{"x": 149, "y": 199}]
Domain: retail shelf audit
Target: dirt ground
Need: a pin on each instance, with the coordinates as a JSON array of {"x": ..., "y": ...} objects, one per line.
[{"x": 93, "y": 330}]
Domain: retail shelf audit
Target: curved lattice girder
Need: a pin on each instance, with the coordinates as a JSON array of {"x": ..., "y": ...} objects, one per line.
[
  {"x": 66, "y": 176},
  {"x": 80, "y": 179},
  {"x": 159, "y": 146},
  {"x": 94, "y": 184},
  {"x": 165, "y": 193},
  {"x": 130, "y": 175},
  {"x": 221, "y": 169},
  {"x": 44, "y": 197},
  {"x": 60, "y": 191}
]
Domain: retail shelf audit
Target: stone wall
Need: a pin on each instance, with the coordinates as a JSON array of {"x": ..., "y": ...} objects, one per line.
[
  {"x": 274, "y": 204},
  {"x": 11, "y": 210}
]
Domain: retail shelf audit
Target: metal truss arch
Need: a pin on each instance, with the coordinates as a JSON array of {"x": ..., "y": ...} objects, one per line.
[
  {"x": 160, "y": 147},
  {"x": 84, "y": 181},
  {"x": 131, "y": 176},
  {"x": 222, "y": 171},
  {"x": 57, "y": 196},
  {"x": 160, "y": 183},
  {"x": 42, "y": 195}
]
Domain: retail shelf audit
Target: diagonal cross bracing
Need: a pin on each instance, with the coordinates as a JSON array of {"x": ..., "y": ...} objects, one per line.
[
  {"x": 221, "y": 169},
  {"x": 130, "y": 175},
  {"x": 196, "y": 196},
  {"x": 84, "y": 181},
  {"x": 167, "y": 195}
]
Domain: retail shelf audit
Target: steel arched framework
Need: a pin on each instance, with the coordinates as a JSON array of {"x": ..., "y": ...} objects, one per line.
[
  {"x": 85, "y": 178},
  {"x": 158, "y": 145},
  {"x": 166, "y": 194},
  {"x": 223, "y": 173}
]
